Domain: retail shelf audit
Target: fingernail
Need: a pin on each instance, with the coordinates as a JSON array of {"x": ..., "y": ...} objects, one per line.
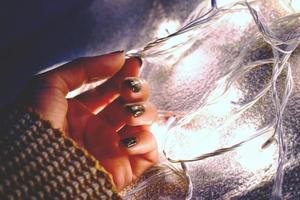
[
  {"x": 134, "y": 84},
  {"x": 136, "y": 110},
  {"x": 117, "y": 52},
  {"x": 139, "y": 59},
  {"x": 129, "y": 142}
]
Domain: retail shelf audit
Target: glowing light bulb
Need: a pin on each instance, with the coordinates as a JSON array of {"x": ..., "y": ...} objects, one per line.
[
  {"x": 221, "y": 3},
  {"x": 167, "y": 27},
  {"x": 252, "y": 156},
  {"x": 295, "y": 5}
]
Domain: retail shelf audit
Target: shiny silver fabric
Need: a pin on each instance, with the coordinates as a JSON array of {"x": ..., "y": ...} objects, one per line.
[{"x": 181, "y": 82}]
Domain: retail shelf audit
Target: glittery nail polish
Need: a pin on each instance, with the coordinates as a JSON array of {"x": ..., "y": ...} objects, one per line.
[
  {"x": 129, "y": 142},
  {"x": 116, "y": 52},
  {"x": 136, "y": 109},
  {"x": 134, "y": 84}
]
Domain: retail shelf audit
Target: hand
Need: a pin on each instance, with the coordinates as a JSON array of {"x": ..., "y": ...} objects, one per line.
[{"x": 111, "y": 121}]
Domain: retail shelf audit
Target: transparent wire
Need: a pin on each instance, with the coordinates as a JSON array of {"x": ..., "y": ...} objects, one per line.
[{"x": 282, "y": 49}]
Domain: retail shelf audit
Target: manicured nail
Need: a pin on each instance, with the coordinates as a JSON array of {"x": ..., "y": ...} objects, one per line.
[
  {"x": 136, "y": 110},
  {"x": 128, "y": 142},
  {"x": 134, "y": 84},
  {"x": 117, "y": 52}
]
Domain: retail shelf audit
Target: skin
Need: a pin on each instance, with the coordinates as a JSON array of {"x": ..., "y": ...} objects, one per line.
[{"x": 97, "y": 119}]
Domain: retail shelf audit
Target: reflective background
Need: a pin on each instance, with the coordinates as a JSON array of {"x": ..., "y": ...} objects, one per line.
[{"x": 181, "y": 80}]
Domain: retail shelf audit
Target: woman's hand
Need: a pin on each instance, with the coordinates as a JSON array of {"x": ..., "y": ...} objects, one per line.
[{"x": 111, "y": 121}]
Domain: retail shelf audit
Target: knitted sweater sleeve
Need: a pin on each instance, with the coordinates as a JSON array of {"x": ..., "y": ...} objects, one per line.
[{"x": 39, "y": 162}]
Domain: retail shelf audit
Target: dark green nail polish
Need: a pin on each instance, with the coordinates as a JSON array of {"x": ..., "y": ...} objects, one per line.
[
  {"x": 128, "y": 142},
  {"x": 116, "y": 52},
  {"x": 136, "y": 110},
  {"x": 134, "y": 84}
]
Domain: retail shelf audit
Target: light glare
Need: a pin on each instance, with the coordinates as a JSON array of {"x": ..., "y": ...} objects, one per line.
[{"x": 167, "y": 27}]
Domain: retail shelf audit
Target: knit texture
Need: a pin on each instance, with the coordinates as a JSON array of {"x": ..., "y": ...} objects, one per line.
[{"x": 39, "y": 162}]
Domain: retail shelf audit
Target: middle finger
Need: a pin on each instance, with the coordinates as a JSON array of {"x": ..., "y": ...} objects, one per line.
[{"x": 97, "y": 98}]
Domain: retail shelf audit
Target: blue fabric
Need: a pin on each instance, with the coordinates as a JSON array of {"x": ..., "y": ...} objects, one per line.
[{"x": 38, "y": 33}]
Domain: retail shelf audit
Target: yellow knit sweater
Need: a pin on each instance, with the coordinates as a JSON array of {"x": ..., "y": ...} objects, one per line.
[{"x": 39, "y": 162}]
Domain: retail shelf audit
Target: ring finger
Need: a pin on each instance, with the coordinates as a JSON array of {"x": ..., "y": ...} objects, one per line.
[{"x": 117, "y": 114}]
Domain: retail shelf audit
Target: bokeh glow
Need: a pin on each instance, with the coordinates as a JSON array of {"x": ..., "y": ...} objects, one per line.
[{"x": 167, "y": 27}]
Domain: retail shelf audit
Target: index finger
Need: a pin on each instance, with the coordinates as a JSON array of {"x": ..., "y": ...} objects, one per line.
[{"x": 83, "y": 70}]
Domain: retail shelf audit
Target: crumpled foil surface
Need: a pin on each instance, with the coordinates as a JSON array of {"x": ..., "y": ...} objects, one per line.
[{"x": 232, "y": 77}]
